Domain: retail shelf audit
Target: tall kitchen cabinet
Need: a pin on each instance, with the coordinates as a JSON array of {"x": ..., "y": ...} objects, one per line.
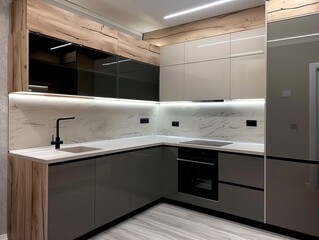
[
  {"x": 230, "y": 66},
  {"x": 292, "y": 186}
]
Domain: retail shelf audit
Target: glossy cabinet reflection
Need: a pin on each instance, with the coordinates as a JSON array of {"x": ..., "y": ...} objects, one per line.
[{"x": 60, "y": 67}]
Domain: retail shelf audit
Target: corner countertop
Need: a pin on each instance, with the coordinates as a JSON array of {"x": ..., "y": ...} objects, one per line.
[{"x": 49, "y": 154}]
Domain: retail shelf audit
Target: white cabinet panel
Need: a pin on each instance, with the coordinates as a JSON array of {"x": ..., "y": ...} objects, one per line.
[
  {"x": 207, "y": 49},
  {"x": 172, "y": 83},
  {"x": 248, "y": 42},
  {"x": 207, "y": 80},
  {"x": 248, "y": 77},
  {"x": 172, "y": 54}
]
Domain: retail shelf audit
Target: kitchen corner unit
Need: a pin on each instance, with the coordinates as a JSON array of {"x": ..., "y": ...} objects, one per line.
[{"x": 48, "y": 187}]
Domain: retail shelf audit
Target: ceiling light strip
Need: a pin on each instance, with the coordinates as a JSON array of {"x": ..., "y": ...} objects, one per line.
[{"x": 213, "y": 4}]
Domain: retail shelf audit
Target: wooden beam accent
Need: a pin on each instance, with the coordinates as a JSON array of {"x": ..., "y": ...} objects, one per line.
[
  {"x": 227, "y": 23},
  {"x": 56, "y": 22},
  {"x": 133, "y": 48},
  {"x": 18, "y": 61},
  {"x": 283, "y": 9},
  {"x": 27, "y": 199}
]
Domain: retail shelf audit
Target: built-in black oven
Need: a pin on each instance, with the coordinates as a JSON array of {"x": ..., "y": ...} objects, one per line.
[{"x": 198, "y": 172}]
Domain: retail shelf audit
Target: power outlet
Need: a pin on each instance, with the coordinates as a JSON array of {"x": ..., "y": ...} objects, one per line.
[
  {"x": 144, "y": 120},
  {"x": 175, "y": 123},
  {"x": 251, "y": 123}
]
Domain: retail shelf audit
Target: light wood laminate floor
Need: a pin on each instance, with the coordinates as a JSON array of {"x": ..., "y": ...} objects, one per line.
[{"x": 168, "y": 222}]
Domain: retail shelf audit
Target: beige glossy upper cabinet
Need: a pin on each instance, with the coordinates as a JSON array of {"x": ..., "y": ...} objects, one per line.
[
  {"x": 208, "y": 80},
  {"x": 172, "y": 54},
  {"x": 172, "y": 72},
  {"x": 172, "y": 83},
  {"x": 248, "y": 64},
  {"x": 207, "y": 49}
]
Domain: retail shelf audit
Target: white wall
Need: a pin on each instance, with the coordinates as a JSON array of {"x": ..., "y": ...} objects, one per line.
[{"x": 4, "y": 20}]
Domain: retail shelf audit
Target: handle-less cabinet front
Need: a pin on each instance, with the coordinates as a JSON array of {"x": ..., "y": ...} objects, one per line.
[
  {"x": 248, "y": 77},
  {"x": 112, "y": 191},
  {"x": 71, "y": 199},
  {"x": 207, "y": 49},
  {"x": 249, "y": 42},
  {"x": 172, "y": 54},
  {"x": 145, "y": 171},
  {"x": 172, "y": 83},
  {"x": 292, "y": 195},
  {"x": 207, "y": 80}
]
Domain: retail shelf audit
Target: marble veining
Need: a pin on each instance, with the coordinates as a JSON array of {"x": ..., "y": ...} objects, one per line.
[
  {"x": 4, "y": 31},
  {"x": 168, "y": 222},
  {"x": 222, "y": 121},
  {"x": 33, "y": 120}
]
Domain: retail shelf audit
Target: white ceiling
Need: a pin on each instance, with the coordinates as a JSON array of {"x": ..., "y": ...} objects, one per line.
[{"x": 140, "y": 16}]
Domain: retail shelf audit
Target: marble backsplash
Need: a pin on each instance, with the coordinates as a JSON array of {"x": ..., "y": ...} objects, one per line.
[
  {"x": 33, "y": 120},
  {"x": 216, "y": 120}
]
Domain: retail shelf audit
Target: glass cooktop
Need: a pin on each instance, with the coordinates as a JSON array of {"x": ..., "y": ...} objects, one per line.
[{"x": 207, "y": 143}]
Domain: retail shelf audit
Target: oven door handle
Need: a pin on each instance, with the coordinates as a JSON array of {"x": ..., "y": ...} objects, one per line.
[{"x": 191, "y": 161}]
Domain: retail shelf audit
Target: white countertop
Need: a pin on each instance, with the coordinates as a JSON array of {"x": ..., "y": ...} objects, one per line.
[{"x": 50, "y": 155}]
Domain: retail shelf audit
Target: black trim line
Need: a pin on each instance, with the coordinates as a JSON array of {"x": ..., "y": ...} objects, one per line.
[
  {"x": 294, "y": 160},
  {"x": 242, "y": 186}
]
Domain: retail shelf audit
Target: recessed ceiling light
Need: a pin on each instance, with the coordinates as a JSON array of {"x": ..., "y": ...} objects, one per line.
[{"x": 197, "y": 8}]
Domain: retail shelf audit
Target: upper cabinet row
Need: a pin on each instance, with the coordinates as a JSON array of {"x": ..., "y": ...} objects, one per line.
[
  {"x": 56, "y": 66},
  {"x": 231, "y": 66}
]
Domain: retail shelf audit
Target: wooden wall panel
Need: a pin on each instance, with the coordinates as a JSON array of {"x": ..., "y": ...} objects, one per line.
[
  {"x": 232, "y": 22},
  {"x": 56, "y": 22},
  {"x": 27, "y": 199},
  {"x": 18, "y": 61},
  {"x": 18, "y": 16},
  {"x": 282, "y": 9}
]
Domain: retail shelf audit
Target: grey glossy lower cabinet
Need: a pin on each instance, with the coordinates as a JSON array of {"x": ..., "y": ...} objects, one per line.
[
  {"x": 112, "y": 190},
  {"x": 241, "y": 185},
  {"x": 145, "y": 176},
  {"x": 170, "y": 173},
  {"x": 71, "y": 199},
  {"x": 293, "y": 195},
  {"x": 243, "y": 202}
]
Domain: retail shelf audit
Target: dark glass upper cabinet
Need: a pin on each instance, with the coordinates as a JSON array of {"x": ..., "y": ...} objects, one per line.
[{"x": 56, "y": 66}]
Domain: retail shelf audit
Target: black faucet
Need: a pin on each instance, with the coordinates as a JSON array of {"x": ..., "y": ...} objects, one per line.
[{"x": 57, "y": 141}]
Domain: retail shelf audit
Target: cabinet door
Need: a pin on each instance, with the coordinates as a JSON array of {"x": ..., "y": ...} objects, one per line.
[
  {"x": 71, "y": 199},
  {"x": 248, "y": 77},
  {"x": 112, "y": 193},
  {"x": 243, "y": 202},
  {"x": 170, "y": 173},
  {"x": 249, "y": 42},
  {"x": 292, "y": 196},
  {"x": 207, "y": 49},
  {"x": 207, "y": 80},
  {"x": 145, "y": 176},
  {"x": 241, "y": 169},
  {"x": 172, "y": 83},
  {"x": 172, "y": 54}
]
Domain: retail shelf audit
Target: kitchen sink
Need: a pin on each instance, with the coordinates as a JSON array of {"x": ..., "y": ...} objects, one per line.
[
  {"x": 79, "y": 149},
  {"x": 207, "y": 143}
]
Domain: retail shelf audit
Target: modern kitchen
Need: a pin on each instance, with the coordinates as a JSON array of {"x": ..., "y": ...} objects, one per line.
[{"x": 159, "y": 119}]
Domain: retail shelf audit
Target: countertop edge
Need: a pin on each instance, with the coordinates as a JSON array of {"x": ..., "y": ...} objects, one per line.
[{"x": 128, "y": 145}]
